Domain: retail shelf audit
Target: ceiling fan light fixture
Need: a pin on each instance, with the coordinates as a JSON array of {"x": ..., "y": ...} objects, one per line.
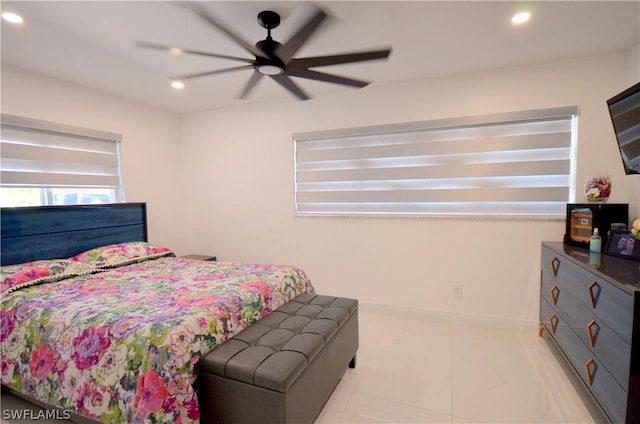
[{"x": 269, "y": 69}]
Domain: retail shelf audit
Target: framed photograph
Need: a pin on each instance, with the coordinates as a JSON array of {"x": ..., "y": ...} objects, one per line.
[{"x": 624, "y": 245}]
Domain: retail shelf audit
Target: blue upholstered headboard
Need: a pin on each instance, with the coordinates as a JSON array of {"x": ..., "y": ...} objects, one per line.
[{"x": 48, "y": 232}]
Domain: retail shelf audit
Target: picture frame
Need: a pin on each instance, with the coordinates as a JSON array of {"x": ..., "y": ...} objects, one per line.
[{"x": 624, "y": 245}]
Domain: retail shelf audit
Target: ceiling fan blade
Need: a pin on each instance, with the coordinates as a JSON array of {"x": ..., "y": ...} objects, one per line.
[
  {"x": 214, "y": 21},
  {"x": 255, "y": 77},
  {"x": 321, "y": 76},
  {"x": 312, "y": 62},
  {"x": 207, "y": 73},
  {"x": 286, "y": 51},
  {"x": 288, "y": 83},
  {"x": 181, "y": 50}
]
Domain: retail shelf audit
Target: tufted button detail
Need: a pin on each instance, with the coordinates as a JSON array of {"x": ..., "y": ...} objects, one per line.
[{"x": 276, "y": 338}]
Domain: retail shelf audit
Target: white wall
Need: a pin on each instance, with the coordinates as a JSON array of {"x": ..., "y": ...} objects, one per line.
[
  {"x": 239, "y": 165},
  {"x": 234, "y": 185},
  {"x": 152, "y": 171}
]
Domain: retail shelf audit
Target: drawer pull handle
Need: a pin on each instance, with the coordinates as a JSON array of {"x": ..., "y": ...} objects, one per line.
[
  {"x": 587, "y": 367},
  {"x": 555, "y": 266},
  {"x": 553, "y": 320},
  {"x": 555, "y": 291},
  {"x": 593, "y": 287},
  {"x": 592, "y": 338},
  {"x": 540, "y": 329}
]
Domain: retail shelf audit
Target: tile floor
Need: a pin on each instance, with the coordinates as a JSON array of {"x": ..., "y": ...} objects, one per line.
[{"x": 424, "y": 367}]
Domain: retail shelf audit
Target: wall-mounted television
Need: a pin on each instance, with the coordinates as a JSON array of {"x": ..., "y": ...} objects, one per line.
[{"x": 624, "y": 109}]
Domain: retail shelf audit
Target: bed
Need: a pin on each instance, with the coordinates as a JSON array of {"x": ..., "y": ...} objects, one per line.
[{"x": 110, "y": 327}]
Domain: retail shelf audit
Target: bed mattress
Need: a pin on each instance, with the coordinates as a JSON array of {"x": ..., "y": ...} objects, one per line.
[{"x": 121, "y": 343}]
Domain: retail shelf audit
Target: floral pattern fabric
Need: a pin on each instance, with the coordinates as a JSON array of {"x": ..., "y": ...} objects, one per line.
[
  {"x": 15, "y": 277},
  {"x": 121, "y": 254},
  {"x": 122, "y": 345}
]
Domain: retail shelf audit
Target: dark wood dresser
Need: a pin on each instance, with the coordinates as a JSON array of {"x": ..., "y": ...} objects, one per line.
[{"x": 590, "y": 308}]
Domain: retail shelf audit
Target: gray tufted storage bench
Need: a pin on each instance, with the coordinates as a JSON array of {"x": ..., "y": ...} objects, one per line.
[{"x": 283, "y": 368}]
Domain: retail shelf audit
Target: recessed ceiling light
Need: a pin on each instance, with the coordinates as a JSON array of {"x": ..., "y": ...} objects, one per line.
[
  {"x": 178, "y": 85},
  {"x": 520, "y": 18},
  {"x": 12, "y": 17}
]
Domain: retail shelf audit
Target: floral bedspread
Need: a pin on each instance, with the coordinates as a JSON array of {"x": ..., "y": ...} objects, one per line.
[{"x": 122, "y": 345}]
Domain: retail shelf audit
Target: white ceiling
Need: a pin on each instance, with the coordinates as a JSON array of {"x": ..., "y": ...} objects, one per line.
[{"x": 92, "y": 42}]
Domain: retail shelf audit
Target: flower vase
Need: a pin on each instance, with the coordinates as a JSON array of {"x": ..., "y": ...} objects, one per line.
[{"x": 597, "y": 188}]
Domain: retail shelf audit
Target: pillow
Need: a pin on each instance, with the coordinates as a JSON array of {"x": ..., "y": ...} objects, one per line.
[
  {"x": 121, "y": 254},
  {"x": 15, "y": 277}
]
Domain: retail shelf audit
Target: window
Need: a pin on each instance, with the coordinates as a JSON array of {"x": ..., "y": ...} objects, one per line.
[
  {"x": 511, "y": 164},
  {"x": 44, "y": 163}
]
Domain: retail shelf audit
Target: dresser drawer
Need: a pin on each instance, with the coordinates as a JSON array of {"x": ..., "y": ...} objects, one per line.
[
  {"x": 610, "y": 349},
  {"x": 611, "y": 396},
  {"x": 609, "y": 304}
]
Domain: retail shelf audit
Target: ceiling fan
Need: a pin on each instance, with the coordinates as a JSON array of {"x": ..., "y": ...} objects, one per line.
[{"x": 272, "y": 58}]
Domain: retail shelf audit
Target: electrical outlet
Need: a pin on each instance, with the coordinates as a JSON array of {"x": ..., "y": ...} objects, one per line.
[{"x": 457, "y": 291}]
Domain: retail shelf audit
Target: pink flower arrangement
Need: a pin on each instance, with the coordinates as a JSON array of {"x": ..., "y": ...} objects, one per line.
[
  {"x": 635, "y": 228},
  {"x": 597, "y": 188}
]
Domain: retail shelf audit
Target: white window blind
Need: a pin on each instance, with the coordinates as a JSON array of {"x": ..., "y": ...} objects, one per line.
[
  {"x": 45, "y": 154},
  {"x": 512, "y": 164}
]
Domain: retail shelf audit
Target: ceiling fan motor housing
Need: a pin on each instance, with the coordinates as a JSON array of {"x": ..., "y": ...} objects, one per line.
[{"x": 270, "y": 65}]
